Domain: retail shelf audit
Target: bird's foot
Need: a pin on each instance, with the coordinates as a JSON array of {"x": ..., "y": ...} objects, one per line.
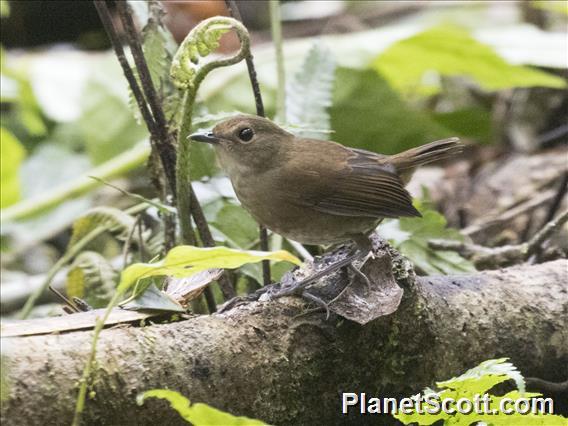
[
  {"x": 321, "y": 305},
  {"x": 299, "y": 287},
  {"x": 361, "y": 275}
]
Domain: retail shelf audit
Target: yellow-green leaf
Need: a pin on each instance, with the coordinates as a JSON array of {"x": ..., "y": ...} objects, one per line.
[
  {"x": 197, "y": 414},
  {"x": 414, "y": 63},
  {"x": 12, "y": 154},
  {"x": 551, "y": 5},
  {"x": 183, "y": 261}
]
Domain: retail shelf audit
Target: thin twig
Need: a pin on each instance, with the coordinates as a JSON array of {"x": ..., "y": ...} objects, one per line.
[
  {"x": 108, "y": 24},
  {"x": 491, "y": 258},
  {"x": 525, "y": 207},
  {"x": 263, "y": 233},
  {"x": 158, "y": 136},
  {"x": 557, "y": 201},
  {"x": 164, "y": 142},
  {"x": 128, "y": 241}
]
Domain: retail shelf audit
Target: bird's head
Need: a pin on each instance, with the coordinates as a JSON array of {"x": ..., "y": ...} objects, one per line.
[{"x": 247, "y": 141}]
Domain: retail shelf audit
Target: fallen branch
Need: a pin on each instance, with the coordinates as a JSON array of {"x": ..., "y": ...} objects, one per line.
[{"x": 259, "y": 360}]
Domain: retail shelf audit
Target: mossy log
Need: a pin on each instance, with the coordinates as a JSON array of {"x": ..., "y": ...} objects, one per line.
[{"x": 260, "y": 360}]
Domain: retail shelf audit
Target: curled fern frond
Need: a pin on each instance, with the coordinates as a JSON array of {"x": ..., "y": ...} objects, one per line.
[{"x": 187, "y": 69}]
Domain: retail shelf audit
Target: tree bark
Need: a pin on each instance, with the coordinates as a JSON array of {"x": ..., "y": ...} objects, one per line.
[{"x": 258, "y": 360}]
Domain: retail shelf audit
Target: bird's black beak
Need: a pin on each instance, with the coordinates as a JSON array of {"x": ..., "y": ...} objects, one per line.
[{"x": 207, "y": 137}]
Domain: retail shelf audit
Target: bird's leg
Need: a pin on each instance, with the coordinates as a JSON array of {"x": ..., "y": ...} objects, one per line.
[
  {"x": 298, "y": 287},
  {"x": 321, "y": 304},
  {"x": 361, "y": 275},
  {"x": 364, "y": 244}
]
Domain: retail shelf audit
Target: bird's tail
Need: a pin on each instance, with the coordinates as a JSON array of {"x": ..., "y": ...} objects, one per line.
[{"x": 409, "y": 160}]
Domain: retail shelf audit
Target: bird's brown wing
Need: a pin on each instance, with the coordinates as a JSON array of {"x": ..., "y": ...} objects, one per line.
[{"x": 347, "y": 182}]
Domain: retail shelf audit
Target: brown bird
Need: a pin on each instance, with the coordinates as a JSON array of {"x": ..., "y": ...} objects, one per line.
[{"x": 314, "y": 191}]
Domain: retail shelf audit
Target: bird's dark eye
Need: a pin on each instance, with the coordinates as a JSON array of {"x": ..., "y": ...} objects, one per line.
[{"x": 246, "y": 134}]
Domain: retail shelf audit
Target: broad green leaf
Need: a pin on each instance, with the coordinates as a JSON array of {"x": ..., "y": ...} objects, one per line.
[
  {"x": 92, "y": 278},
  {"x": 367, "y": 113},
  {"x": 197, "y": 414},
  {"x": 237, "y": 225},
  {"x": 106, "y": 124},
  {"x": 471, "y": 123},
  {"x": 309, "y": 94},
  {"x": 119, "y": 222},
  {"x": 183, "y": 261},
  {"x": 12, "y": 154},
  {"x": 414, "y": 64},
  {"x": 411, "y": 237}
]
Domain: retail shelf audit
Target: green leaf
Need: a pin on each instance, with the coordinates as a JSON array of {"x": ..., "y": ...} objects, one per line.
[
  {"x": 200, "y": 42},
  {"x": 309, "y": 94},
  {"x": 237, "y": 225},
  {"x": 92, "y": 278},
  {"x": 411, "y": 237},
  {"x": 119, "y": 222},
  {"x": 475, "y": 382},
  {"x": 159, "y": 47},
  {"x": 197, "y": 414},
  {"x": 367, "y": 113},
  {"x": 153, "y": 299},
  {"x": 106, "y": 124},
  {"x": 12, "y": 154},
  {"x": 472, "y": 123},
  {"x": 551, "y": 5},
  {"x": 493, "y": 367},
  {"x": 413, "y": 64},
  {"x": 183, "y": 261},
  {"x": 4, "y": 8}
]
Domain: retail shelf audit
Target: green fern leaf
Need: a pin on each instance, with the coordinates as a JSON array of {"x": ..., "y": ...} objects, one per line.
[
  {"x": 309, "y": 94},
  {"x": 92, "y": 278},
  {"x": 116, "y": 220}
]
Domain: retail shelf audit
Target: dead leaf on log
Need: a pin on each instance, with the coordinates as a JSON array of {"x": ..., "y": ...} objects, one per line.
[
  {"x": 346, "y": 293},
  {"x": 361, "y": 304}
]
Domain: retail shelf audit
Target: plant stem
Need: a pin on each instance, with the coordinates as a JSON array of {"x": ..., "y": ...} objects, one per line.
[
  {"x": 160, "y": 137},
  {"x": 80, "y": 404},
  {"x": 183, "y": 171},
  {"x": 276, "y": 27},
  {"x": 187, "y": 202},
  {"x": 121, "y": 164},
  {"x": 164, "y": 142},
  {"x": 263, "y": 233}
]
